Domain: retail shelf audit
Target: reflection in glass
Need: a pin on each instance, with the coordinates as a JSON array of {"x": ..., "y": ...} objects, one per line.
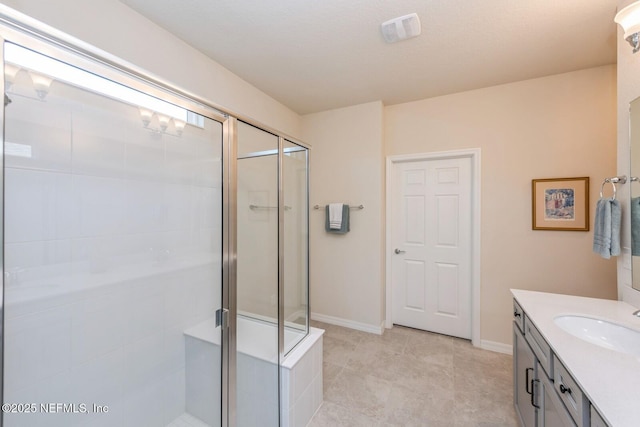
[
  {"x": 112, "y": 252},
  {"x": 634, "y": 210}
]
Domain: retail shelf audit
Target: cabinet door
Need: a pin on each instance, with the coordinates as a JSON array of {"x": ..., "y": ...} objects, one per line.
[
  {"x": 596, "y": 419},
  {"x": 552, "y": 412},
  {"x": 524, "y": 372}
]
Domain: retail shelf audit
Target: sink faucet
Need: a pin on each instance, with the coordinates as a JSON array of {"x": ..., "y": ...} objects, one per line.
[{"x": 636, "y": 313}]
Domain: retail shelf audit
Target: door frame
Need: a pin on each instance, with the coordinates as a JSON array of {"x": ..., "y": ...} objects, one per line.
[{"x": 474, "y": 155}]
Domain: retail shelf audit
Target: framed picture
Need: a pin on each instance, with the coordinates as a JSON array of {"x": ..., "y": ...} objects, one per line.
[{"x": 560, "y": 204}]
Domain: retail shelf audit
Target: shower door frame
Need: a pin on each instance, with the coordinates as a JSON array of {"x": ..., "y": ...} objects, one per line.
[{"x": 31, "y": 34}]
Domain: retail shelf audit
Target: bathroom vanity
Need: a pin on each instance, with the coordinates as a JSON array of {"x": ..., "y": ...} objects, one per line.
[{"x": 576, "y": 361}]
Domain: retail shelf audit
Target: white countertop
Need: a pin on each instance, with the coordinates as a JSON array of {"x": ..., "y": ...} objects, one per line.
[{"x": 610, "y": 379}]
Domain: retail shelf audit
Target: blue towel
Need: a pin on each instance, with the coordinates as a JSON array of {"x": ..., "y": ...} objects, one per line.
[
  {"x": 635, "y": 226},
  {"x": 606, "y": 233},
  {"x": 345, "y": 221},
  {"x": 616, "y": 221}
]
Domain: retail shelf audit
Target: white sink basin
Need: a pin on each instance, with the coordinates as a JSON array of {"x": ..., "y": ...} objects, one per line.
[{"x": 600, "y": 332}]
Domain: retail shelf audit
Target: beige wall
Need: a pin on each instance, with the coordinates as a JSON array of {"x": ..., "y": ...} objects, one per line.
[
  {"x": 346, "y": 271},
  {"x": 557, "y": 126},
  {"x": 120, "y": 31},
  {"x": 628, "y": 90}
]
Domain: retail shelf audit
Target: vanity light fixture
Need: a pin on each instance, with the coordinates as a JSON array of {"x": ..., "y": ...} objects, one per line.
[
  {"x": 41, "y": 84},
  {"x": 44, "y": 70},
  {"x": 40, "y": 64},
  {"x": 146, "y": 115},
  {"x": 179, "y": 125},
  {"x": 164, "y": 122},
  {"x": 629, "y": 19},
  {"x": 10, "y": 73}
]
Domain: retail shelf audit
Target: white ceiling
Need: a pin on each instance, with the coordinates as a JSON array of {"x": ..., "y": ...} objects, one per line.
[{"x": 315, "y": 55}]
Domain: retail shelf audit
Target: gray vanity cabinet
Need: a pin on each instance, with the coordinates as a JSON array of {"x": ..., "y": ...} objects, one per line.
[
  {"x": 524, "y": 374},
  {"x": 552, "y": 412},
  {"x": 535, "y": 399},
  {"x": 544, "y": 392}
]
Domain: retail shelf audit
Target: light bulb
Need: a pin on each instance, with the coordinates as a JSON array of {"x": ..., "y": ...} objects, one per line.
[
  {"x": 146, "y": 115},
  {"x": 10, "y": 72},
  {"x": 164, "y": 122},
  {"x": 180, "y": 125},
  {"x": 41, "y": 84}
]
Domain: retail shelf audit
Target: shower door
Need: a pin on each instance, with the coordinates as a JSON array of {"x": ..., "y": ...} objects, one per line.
[{"x": 113, "y": 248}]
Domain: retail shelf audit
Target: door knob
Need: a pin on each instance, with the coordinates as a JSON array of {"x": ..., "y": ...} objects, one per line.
[{"x": 398, "y": 251}]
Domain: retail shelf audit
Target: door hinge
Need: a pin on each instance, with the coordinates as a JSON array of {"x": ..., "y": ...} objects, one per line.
[{"x": 222, "y": 318}]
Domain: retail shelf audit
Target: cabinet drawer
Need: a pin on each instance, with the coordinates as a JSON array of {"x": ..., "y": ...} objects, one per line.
[
  {"x": 539, "y": 347},
  {"x": 571, "y": 395},
  {"x": 596, "y": 419},
  {"x": 518, "y": 315}
]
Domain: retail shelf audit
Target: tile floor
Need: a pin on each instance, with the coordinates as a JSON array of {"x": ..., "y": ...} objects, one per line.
[{"x": 408, "y": 378}]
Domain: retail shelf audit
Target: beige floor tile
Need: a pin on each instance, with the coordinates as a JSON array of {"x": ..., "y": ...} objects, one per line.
[
  {"x": 408, "y": 377},
  {"x": 337, "y": 350},
  {"x": 329, "y": 373},
  {"x": 364, "y": 394},
  {"x": 406, "y": 407}
]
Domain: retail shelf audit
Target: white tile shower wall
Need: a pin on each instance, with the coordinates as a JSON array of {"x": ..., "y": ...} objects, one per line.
[
  {"x": 112, "y": 242},
  {"x": 202, "y": 380},
  {"x": 257, "y": 399},
  {"x": 302, "y": 387}
]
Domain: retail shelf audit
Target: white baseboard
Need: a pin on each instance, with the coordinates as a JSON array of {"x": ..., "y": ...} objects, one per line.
[
  {"x": 498, "y": 347},
  {"x": 365, "y": 327}
]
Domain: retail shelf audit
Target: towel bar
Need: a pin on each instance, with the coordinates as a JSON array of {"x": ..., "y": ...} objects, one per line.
[
  {"x": 359, "y": 207},
  {"x": 613, "y": 181},
  {"x": 258, "y": 207}
]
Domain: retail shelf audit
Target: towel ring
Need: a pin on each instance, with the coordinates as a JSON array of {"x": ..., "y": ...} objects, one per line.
[{"x": 612, "y": 184}]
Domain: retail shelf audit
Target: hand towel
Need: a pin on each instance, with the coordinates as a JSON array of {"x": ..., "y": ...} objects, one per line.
[
  {"x": 335, "y": 216},
  {"x": 616, "y": 220},
  {"x": 606, "y": 233},
  {"x": 345, "y": 221},
  {"x": 635, "y": 226}
]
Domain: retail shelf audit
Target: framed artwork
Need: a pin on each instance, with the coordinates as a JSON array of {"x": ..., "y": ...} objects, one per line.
[{"x": 560, "y": 204}]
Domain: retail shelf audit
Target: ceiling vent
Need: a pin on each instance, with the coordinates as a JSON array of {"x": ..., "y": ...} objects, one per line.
[{"x": 401, "y": 28}]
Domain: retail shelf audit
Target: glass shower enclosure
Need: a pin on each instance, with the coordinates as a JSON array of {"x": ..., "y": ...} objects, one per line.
[
  {"x": 272, "y": 247},
  {"x": 155, "y": 249}
]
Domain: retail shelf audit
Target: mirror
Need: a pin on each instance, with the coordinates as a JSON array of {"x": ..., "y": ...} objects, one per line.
[{"x": 634, "y": 126}]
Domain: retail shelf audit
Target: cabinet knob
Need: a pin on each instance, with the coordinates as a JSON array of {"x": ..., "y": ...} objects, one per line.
[
  {"x": 564, "y": 389},
  {"x": 516, "y": 314}
]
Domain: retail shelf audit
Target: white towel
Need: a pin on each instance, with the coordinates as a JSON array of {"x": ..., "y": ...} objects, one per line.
[{"x": 335, "y": 216}]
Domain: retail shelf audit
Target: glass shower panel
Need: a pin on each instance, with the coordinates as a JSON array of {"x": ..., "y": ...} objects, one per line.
[
  {"x": 113, "y": 249},
  {"x": 296, "y": 236},
  {"x": 257, "y": 278}
]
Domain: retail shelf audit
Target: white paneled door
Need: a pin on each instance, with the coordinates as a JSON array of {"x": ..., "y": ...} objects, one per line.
[{"x": 431, "y": 244}]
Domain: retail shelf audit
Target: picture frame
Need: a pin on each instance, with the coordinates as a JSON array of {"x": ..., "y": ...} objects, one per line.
[{"x": 560, "y": 204}]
